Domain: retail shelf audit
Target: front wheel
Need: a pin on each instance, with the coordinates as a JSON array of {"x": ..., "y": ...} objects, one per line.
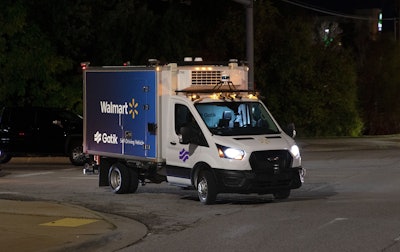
[{"x": 207, "y": 188}]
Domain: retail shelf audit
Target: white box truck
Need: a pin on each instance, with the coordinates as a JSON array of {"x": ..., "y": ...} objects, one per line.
[{"x": 191, "y": 125}]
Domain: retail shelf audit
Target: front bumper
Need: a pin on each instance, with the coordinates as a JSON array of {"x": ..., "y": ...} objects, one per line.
[{"x": 251, "y": 182}]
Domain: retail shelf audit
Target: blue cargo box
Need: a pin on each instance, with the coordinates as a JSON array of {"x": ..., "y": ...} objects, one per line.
[{"x": 120, "y": 112}]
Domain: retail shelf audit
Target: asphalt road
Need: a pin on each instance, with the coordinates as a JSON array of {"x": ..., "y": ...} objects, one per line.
[{"x": 349, "y": 202}]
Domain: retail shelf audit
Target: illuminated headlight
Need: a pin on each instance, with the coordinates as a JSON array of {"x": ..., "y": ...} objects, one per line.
[
  {"x": 231, "y": 153},
  {"x": 295, "y": 151}
]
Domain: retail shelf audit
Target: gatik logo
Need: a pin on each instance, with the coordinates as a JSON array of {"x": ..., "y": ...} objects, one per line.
[{"x": 110, "y": 139}]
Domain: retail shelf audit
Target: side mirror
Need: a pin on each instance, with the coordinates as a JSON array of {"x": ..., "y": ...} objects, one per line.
[
  {"x": 185, "y": 135},
  {"x": 291, "y": 130}
]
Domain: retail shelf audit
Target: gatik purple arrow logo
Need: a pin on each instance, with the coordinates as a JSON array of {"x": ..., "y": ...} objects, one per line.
[{"x": 184, "y": 155}]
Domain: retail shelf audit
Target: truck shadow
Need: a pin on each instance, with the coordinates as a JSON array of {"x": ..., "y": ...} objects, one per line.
[
  {"x": 237, "y": 199},
  {"x": 308, "y": 192},
  {"x": 254, "y": 199}
]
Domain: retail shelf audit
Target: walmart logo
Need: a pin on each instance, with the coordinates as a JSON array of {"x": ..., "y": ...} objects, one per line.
[
  {"x": 108, "y": 107},
  {"x": 133, "y": 105}
]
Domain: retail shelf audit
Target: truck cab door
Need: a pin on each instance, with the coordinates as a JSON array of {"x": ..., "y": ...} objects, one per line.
[{"x": 183, "y": 155}]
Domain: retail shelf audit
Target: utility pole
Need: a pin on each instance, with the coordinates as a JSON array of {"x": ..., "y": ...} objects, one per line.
[
  {"x": 398, "y": 19},
  {"x": 249, "y": 38}
]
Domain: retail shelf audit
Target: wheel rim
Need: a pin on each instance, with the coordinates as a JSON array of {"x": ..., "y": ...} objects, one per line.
[
  {"x": 115, "y": 179},
  {"x": 78, "y": 155},
  {"x": 4, "y": 157},
  {"x": 202, "y": 189}
]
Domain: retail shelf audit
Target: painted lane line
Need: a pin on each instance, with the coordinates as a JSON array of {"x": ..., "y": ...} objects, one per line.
[
  {"x": 332, "y": 222},
  {"x": 32, "y": 174}
]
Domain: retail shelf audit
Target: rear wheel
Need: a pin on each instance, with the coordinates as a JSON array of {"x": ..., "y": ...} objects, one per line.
[
  {"x": 119, "y": 178},
  {"x": 207, "y": 188},
  {"x": 4, "y": 157},
  {"x": 134, "y": 181}
]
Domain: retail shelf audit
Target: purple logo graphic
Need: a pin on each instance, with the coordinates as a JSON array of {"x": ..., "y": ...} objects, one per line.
[{"x": 184, "y": 155}]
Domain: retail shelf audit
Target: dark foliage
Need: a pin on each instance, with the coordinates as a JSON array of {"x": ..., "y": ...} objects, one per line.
[{"x": 324, "y": 89}]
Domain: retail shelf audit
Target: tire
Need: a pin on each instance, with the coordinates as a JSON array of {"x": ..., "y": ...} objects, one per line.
[
  {"x": 76, "y": 155},
  {"x": 207, "y": 188},
  {"x": 284, "y": 194},
  {"x": 4, "y": 157},
  {"x": 134, "y": 181},
  {"x": 119, "y": 178}
]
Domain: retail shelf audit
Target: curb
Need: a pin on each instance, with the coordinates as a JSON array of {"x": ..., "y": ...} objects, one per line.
[{"x": 23, "y": 220}]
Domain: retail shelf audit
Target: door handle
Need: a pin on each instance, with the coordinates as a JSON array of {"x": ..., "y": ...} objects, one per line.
[{"x": 172, "y": 143}]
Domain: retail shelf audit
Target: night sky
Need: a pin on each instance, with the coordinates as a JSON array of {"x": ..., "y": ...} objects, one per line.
[
  {"x": 389, "y": 8},
  {"x": 346, "y": 4}
]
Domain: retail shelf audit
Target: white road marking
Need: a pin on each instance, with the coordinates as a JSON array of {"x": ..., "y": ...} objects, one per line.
[
  {"x": 33, "y": 174},
  {"x": 80, "y": 178},
  {"x": 332, "y": 221},
  {"x": 10, "y": 193}
]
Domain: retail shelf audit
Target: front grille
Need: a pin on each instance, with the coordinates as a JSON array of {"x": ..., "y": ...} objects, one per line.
[
  {"x": 267, "y": 164},
  {"x": 206, "y": 77}
]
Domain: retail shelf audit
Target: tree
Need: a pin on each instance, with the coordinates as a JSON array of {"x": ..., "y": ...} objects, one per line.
[
  {"x": 380, "y": 87},
  {"x": 305, "y": 82},
  {"x": 29, "y": 63}
]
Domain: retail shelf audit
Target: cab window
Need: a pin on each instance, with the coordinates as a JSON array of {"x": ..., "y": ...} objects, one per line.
[{"x": 184, "y": 118}]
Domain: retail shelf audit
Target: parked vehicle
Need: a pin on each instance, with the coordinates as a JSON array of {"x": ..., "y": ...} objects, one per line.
[
  {"x": 36, "y": 131},
  {"x": 193, "y": 125}
]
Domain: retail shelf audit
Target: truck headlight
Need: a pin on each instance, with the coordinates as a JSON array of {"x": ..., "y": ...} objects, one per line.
[
  {"x": 231, "y": 153},
  {"x": 295, "y": 151}
]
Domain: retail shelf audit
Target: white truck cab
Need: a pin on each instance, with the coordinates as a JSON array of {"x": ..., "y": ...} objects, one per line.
[{"x": 191, "y": 125}]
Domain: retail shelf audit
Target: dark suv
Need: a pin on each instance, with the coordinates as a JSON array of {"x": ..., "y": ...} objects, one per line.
[{"x": 33, "y": 131}]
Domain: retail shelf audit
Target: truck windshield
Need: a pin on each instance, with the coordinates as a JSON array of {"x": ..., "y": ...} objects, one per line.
[{"x": 237, "y": 118}]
